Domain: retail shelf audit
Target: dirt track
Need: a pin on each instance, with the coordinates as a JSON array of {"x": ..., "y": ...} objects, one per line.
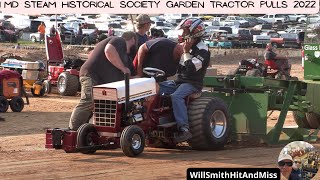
[{"x": 23, "y": 156}]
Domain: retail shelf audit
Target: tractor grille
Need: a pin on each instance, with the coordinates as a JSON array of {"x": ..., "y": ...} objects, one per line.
[{"x": 105, "y": 112}]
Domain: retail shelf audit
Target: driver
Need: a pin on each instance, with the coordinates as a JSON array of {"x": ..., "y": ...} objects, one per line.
[
  {"x": 281, "y": 62},
  {"x": 160, "y": 53},
  {"x": 191, "y": 71}
]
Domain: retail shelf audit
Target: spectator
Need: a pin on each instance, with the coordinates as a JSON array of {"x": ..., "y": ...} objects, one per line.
[
  {"x": 143, "y": 24},
  {"x": 106, "y": 63},
  {"x": 42, "y": 31},
  {"x": 79, "y": 35},
  {"x": 62, "y": 31},
  {"x": 110, "y": 31},
  {"x": 17, "y": 46},
  {"x": 52, "y": 31}
]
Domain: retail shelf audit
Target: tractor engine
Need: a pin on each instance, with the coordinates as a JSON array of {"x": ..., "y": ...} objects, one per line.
[{"x": 110, "y": 108}]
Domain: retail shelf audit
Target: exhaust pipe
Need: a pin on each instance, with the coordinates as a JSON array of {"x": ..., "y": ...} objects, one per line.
[{"x": 126, "y": 80}]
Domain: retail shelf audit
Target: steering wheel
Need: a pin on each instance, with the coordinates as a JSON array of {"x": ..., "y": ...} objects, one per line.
[{"x": 153, "y": 72}]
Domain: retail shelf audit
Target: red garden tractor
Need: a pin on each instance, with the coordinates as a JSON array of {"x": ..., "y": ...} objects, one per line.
[
  {"x": 251, "y": 67},
  {"x": 11, "y": 91},
  {"x": 130, "y": 118},
  {"x": 63, "y": 72}
]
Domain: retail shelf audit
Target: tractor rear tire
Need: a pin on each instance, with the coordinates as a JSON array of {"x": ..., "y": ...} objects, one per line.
[
  {"x": 86, "y": 134},
  {"x": 233, "y": 72},
  {"x": 47, "y": 86},
  {"x": 253, "y": 73},
  {"x": 314, "y": 120},
  {"x": 16, "y": 104},
  {"x": 301, "y": 119},
  {"x": 210, "y": 123},
  {"x": 132, "y": 141},
  {"x": 68, "y": 84},
  {"x": 4, "y": 104}
]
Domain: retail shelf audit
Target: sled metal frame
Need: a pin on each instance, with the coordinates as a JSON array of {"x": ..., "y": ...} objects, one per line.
[{"x": 250, "y": 98}]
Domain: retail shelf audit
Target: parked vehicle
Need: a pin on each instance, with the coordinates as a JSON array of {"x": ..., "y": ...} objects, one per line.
[
  {"x": 218, "y": 39},
  {"x": 275, "y": 18},
  {"x": 242, "y": 22},
  {"x": 311, "y": 19},
  {"x": 89, "y": 35},
  {"x": 288, "y": 40}
]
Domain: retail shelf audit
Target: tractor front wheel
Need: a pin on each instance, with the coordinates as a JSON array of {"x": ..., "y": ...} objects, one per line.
[
  {"x": 16, "y": 104},
  {"x": 132, "y": 140},
  {"x": 4, "y": 104},
  {"x": 47, "y": 86},
  {"x": 68, "y": 84},
  {"x": 301, "y": 119},
  {"x": 87, "y": 135},
  {"x": 210, "y": 123}
]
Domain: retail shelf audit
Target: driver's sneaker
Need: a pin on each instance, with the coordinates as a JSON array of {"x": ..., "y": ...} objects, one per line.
[{"x": 183, "y": 135}]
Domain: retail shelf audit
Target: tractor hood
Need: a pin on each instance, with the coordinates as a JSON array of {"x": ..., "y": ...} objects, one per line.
[{"x": 139, "y": 88}]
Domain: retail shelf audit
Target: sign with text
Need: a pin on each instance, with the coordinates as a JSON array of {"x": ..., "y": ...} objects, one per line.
[{"x": 160, "y": 6}]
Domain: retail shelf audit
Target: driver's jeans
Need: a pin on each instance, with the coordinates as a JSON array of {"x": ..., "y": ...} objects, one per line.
[
  {"x": 83, "y": 111},
  {"x": 178, "y": 93}
]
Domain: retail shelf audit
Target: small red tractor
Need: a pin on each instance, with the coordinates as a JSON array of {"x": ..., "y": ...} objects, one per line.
[
  {"x": 63, "y": 72},
  {"x": 11, "y": 86},
  {"x": 131, "y": 118},
  {"x": 251, "y": 67}
]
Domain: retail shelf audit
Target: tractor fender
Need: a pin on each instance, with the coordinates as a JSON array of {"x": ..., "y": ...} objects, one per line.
[{"x": 73, "y": 72}]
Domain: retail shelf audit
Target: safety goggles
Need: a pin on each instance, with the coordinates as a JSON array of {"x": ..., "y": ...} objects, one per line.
[{"x": 282, "y": 163}]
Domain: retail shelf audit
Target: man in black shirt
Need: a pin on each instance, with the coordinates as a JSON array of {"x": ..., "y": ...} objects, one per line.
[
  {"x": 107, "y": 63},
  {"x": 159, "y": 53},
  {"x": 191, "y": 71}
]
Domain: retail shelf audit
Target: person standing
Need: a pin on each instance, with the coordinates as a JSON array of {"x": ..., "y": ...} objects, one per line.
[
  {"x": 52, "y": 31},
  {"x": 143, "y": 24},
  {"x": 79, "y": 35},
  {"x": 107, "y": 63},
  {"x": 42, "y": 31}
]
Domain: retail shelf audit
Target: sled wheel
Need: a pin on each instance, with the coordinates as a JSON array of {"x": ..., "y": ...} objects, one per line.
[
  {"x": 313, "y": 120},
  {"x": 132, "y": 140},
  {"x": 301, "y": 119},
  {"x": 4, "y": 104},
  {"x": 210, "y": 123},
  {"x": 87, "y": 134},
  {"x": 16, "y": 104}
]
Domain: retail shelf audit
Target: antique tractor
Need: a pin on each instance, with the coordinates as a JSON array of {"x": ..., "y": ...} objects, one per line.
[
  {"x": 63, "y": 72},
  {"x": 251, "y": 67},
  {"x": 129, "y": 118},
  {"x": 11, "y": 91}
]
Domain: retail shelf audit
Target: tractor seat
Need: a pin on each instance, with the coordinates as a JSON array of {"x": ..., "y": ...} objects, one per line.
[
  {"x": 195, "y": 95},
  {"x": 271, "y": 64}
]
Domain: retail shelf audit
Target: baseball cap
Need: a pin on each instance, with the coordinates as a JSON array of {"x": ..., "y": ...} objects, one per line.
[
  {"x": 143, "y": 19},
  {"x": 285, "y": 156}
]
